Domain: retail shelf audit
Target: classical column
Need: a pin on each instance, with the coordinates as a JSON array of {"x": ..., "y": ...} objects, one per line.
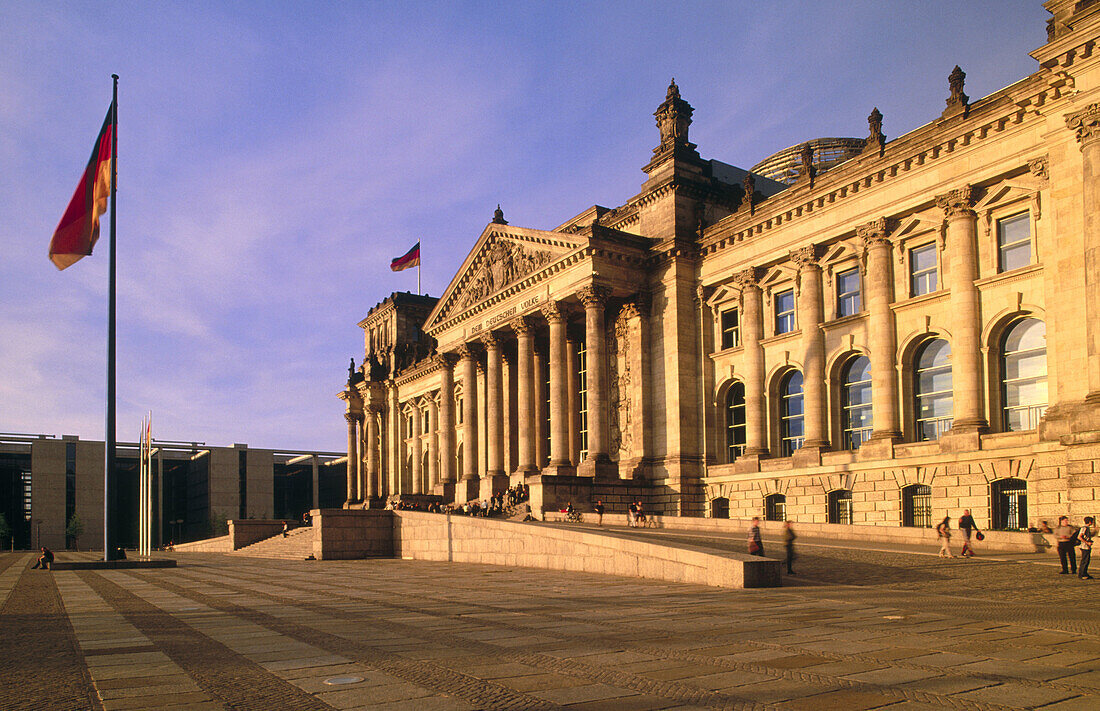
[
  {"x": 594, "y": 299},
  {"x": 966, "y": 367},
  {"x": 811, "y": 312},
  {"x": 468, "y": 363},
  {"x": 433, "y": 444},
  {"x": 752, "y": 330},
  {"x": 525, "y": 403},
  {"x": 559, "y": 398},
  {"x": 572, "y": 390},
  {"x": 416, "y": 486},
  {"x": 494, "y": 411},
  {"x": 391, "y": 475},
  {"x": 539, "y": 395},
  {"x": 1086, "y": 123},
  {"x": 879, "y": 286},
  {"x": 511, "y": 443},
  {"x": 372, "y": 488},
  {"x": 353, "y": 420},
  {"x": 447, "y": 473}
]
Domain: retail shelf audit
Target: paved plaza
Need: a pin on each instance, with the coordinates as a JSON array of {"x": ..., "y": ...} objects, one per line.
[{"x": 854, "y": 629}]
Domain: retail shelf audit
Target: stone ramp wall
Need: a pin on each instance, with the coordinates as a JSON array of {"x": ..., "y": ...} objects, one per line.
[
  {"x": 462, "y": 539},
  {"x": 221, "y": 544}
]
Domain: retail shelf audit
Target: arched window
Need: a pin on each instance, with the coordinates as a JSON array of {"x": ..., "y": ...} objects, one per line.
[
  {"x": 775, "y": 507},
  {"x": 1009, "y": 499},
  {"x": 735, "y": 421},
  {"x": 791, "y": 427},
  {"x": 932, "y": 387},
  {"x": 1024, "y": 374},
  {"x": 856, "y": 402},
  {"x": 916, "y": 506},
  {"x": 720, "y": 507},
  {"x": 840, "y": 506}
]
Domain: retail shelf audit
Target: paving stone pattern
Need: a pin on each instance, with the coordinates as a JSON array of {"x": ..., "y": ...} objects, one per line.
[{"x": 854, "y": 630}]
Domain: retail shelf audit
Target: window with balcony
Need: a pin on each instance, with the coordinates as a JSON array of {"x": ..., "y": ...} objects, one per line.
[
  {"x": 791, "y": 423},
  {"x": 855, "y": 416},
  {"x": 934, "y": 405},
  {"x": 735, "y": 421},
  {"x": 1024, "y": 375}
]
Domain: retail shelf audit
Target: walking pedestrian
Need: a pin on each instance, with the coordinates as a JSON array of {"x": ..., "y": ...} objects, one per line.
[
  {"x": 631, "y": 514},
  {"x": 788, "y": 541},
  {"x": 967, "y": 526},
  {"x": 1085, "y": 536},
  {"x": 599, "y": 512},
  {"x": 756, "y": 544},
  {"x": 944, "y": 532},
  {"x": 1066, "y": 536}
]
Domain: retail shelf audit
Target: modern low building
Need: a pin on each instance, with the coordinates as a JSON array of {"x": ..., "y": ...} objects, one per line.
[
  {"x": 889, "y": 336},
  {"x": 46, "y": 480}
]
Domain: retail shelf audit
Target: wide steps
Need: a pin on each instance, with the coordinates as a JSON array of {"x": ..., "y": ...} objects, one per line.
[{"x": 297, "y": 545}]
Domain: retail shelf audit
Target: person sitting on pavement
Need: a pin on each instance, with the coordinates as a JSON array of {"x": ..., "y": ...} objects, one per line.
[{"x": 45, "y": 561}]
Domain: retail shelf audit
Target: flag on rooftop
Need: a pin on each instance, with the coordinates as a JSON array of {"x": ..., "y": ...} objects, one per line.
[
  {"x": 78, "y": 230},
  {"x": 408, "y": 260}
]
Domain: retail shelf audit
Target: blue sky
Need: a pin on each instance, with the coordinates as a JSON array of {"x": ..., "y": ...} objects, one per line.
[{"x": 274, "y": 156}]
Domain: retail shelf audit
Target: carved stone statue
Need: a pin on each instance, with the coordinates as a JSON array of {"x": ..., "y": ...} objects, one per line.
[{"x": 673, "y": 119}]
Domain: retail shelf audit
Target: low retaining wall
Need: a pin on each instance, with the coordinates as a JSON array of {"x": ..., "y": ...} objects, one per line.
[
  {"x": 350, "y": 534},
  {"x": 221, "y": 544},
  {"x": 1000, "y": 541},
  {"x": 245, "y": 532},
  {"x": 461, "y": 539}
]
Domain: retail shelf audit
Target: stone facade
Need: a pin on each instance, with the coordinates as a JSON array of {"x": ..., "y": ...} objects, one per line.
[{"x": 884, "y": 340}]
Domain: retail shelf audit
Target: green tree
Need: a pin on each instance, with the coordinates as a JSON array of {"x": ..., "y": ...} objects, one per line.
[
  {"x": 74, "y": 530},
  {"x": 5, "y": 530}
]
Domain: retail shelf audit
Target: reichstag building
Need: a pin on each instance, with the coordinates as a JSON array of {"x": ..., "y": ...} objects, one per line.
[{"x": 853, "y": 331}]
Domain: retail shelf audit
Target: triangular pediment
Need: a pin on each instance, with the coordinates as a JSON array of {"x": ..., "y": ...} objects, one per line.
[{"x": 503, "y": 256}]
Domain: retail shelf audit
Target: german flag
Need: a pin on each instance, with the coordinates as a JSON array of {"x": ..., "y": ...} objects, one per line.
[
  {"x": 78, "y": 230},
  {"x": 407, "y": 260}
]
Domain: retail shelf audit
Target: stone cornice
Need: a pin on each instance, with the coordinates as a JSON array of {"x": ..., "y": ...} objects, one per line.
[{"x": 987, "y": 119}]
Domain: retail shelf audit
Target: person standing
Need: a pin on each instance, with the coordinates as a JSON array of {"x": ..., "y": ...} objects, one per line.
[
  {"x": 944, "y": 532},
  {"x": 1065, "y": 535},
  {"x": 968, "y": 527},
  {"x": 599, "y": 512},
  {"x": 788, "y": 541},
  {"x": 631, "y": 514},
  {"x": 756, "y": 544},
  {"x": 1085, "y": 536}
]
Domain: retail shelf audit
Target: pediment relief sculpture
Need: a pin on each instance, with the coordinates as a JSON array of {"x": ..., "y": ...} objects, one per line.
[{"x": 503, "y": 263}]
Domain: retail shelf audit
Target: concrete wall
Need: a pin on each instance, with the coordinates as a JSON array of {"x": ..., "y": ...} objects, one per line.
[
  {"x": 246, "y": 532},
  {"x": 460, "y": 539},
  {"x": 866, "y": 535},
  {"x": 89, "y": 493},
  {"x": 344, "y": 534},
  {"x": 48, "y": 494},
  {"x": 221, "y": 544},
  {"x": 224, "y": 483},
  {"x": 259, "y": 484}
]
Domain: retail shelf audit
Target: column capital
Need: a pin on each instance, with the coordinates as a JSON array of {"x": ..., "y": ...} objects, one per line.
[
  {"x": 805, "y": 257},
  {"x": 446, "y": 360},
  {"x": 491, "y": 341},
  {"x": 594, "y": 295},
  {"x": 1086, "y": 123},
  {"x": 554, "y": 312},
  {"x": 522, "y": 326},
  {"x": 748, "y": 277},
  {"x": 466, "y": 352},
  {"x": 374, "y": 409},
  {"x": 634, "y": 309},
  {"x": 957, "y": 203},
  {"x": 353, "y": 417},
  {"x": 874, "y": 233}
]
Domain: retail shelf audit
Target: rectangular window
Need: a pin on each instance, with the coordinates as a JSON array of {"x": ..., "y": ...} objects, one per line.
[
  {"x": 784, "y": 312},
  {"x": 731, "y": 329},
  {"x": 847, "y": 293},
  {"x": 922, "y": 270},
  {"x": 1014, "y": 242},
  {"x": 458, "y": 409}
]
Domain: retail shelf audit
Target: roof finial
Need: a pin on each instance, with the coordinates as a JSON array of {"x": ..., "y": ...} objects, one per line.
[
  {"x": 673, "y": 118},
  {"x": 673, "y": 90},
  {"x": 958, "y": 102},
  {"x": 498, "y": 216}
]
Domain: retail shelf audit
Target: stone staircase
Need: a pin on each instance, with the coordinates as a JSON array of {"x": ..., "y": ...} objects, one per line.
[{"x": 298, "y": 545}]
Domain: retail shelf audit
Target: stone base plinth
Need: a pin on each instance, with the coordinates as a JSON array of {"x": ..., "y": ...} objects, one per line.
[
  {"x": 467, "y": 490},
  {"x": 492, "y": 485},
  {"x": 598, "y": 469}
]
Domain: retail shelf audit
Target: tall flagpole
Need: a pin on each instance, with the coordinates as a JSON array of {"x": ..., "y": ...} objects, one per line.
[
  {"x": 420, "y": 258},
  {"x": 109, "y": 493}
]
